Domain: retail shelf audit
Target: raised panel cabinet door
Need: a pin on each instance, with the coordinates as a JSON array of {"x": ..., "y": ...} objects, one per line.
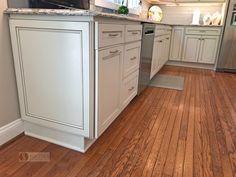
[
  {"x": 191, "y": 48},
  {"x": 209, "y": 47},
  {"x": 109, "y": 84},
  {"x": 177, "y": 44},
  {"x": 53, "y": 61}
]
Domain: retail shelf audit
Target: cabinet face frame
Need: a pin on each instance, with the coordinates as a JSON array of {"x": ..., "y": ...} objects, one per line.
[{"x": 85, "y": 28}]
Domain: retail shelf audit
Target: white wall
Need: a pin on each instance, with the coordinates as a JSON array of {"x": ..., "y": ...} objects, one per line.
[
  {"x": 183, "y": 14},
  {"x": 9, "y": 108}
]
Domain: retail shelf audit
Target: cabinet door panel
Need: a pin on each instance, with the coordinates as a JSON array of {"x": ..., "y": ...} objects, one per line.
[
  {"x": 167, "y": 49},
  {"x": 55, "y": 82},
  {"x": 109, "y": 81},
  {"x": 177, "y": 43},
  {"x": 157, "y": 55},
  {"x": 209, "y": 48},
  {"x": 191, "y": 48}
]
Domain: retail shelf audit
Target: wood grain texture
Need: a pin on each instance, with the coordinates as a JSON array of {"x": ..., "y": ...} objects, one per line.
[{"x": 162, "y": 133}]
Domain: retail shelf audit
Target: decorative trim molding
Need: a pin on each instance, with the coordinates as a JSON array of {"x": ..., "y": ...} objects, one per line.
[{"x": 11, "y": 130}]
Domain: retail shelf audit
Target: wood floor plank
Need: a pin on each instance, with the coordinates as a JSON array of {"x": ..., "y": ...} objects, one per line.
[{"x": 163, "y": 132}]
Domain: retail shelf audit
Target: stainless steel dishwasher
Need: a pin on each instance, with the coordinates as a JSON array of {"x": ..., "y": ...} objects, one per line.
[{"x": 146, "y": 55}]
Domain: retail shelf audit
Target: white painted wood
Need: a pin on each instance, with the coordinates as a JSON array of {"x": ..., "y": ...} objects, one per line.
[
  {"x": 191, "y": 48},
  {"x": 54, "y": 73},
  {"x": 190, "y": 65},
  {"x": 131, "y": 58},
  {"x": 203, "y": 30},
  {"x": 158, "y": 49},
  {"x": 109, "y": 81},
  {"x": 59, "y": 137},
  {"x": 208, "y": 51},
  {"x": 166, "y": 53},
  {"x": 162, "y": 30},
  {"x": 177, "y": 43},
  {"x": 133, "y": 33},
  {"x": 111, "y": 34},
  {"x": 129, "y": 89},
  {"x": 10, "y": 131}
]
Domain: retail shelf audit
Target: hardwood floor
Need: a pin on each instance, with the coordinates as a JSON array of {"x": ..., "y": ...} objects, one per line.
[{"x": 162, "y": 133}]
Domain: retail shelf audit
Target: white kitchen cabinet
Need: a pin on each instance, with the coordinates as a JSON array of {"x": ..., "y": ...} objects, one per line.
[
  {"x": 158, "y": 50},
  {"x": 191, "y": 48},
  {"x": 129, "y": 88},
  {"x": 208, "y": 50},
  {"x": 131, "y": 58},
  {"x": 52, "y": 62},
  {"x": 166, "y": 49},
  {"x": 200, "y": 48},
  {"x": 109, "y": 81},
  {"x": 177, "y": 43}
]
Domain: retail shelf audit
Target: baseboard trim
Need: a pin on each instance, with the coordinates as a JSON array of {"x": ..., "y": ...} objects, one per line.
[
  {"x": 10, "y": 131},
  {"x": 191, "y": 65}
]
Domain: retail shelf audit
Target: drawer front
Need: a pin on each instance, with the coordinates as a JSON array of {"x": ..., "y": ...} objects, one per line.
[
  {"x": 133, "y": 33},
  {"x": 203, "y": 31},
  {"x": 129, "y": 89},
  {"x": 162, "y": 30},
  {"x": 132, "y": 58},
  {"x": 111, "y": 34}
]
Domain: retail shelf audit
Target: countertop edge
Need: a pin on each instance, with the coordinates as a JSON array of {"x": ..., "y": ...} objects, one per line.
[{"x": 80, "y": 12}]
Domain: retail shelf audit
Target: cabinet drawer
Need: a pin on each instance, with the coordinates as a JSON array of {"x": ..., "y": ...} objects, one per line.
[
  {"x": 203, "y": 31},
  {"x": 162, "y": 30},
  {"x": 131, "y": 58},
  {"x": 111, "y": 34},
  {"x": 133, "y": 33},
  {"x": 129, "y": 88}
]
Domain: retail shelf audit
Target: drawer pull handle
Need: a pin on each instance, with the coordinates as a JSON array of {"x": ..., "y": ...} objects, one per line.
[
  {"x": 167, "y": 38},
  {"x": 133, "y": 58},
  {"x": 134, "y": 33},
  {"x": 160, "y": 41},
  {"x": 132, "y": 88},
  {"x": 114, "y": 51},
  {"x": 113, "y": 35}
]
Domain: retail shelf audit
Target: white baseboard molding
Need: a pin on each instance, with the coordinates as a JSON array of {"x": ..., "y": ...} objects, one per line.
[
  {"x": 11, "y": 130},
  {"x": 191, "y": 65}
]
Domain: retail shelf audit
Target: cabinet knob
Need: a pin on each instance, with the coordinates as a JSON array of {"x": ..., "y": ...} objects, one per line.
[
  {"x": 113, "y": 35},
  {"x": 160, "y": 41},
  {"x": 114, "y": 51},
  {"x": 132, "y": 88},
  {"x": 133, "y": 58},
  {"x": 134, "y": 33}
]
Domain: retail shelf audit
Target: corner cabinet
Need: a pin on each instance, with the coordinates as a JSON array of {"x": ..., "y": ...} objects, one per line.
[{"x": 75, "y": 75}]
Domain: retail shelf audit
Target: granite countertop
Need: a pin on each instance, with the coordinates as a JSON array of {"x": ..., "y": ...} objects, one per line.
[{"x": 80, "y": 12}]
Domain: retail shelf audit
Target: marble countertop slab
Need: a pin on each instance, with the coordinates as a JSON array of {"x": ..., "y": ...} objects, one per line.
[{"x": 80, "y": 12}]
